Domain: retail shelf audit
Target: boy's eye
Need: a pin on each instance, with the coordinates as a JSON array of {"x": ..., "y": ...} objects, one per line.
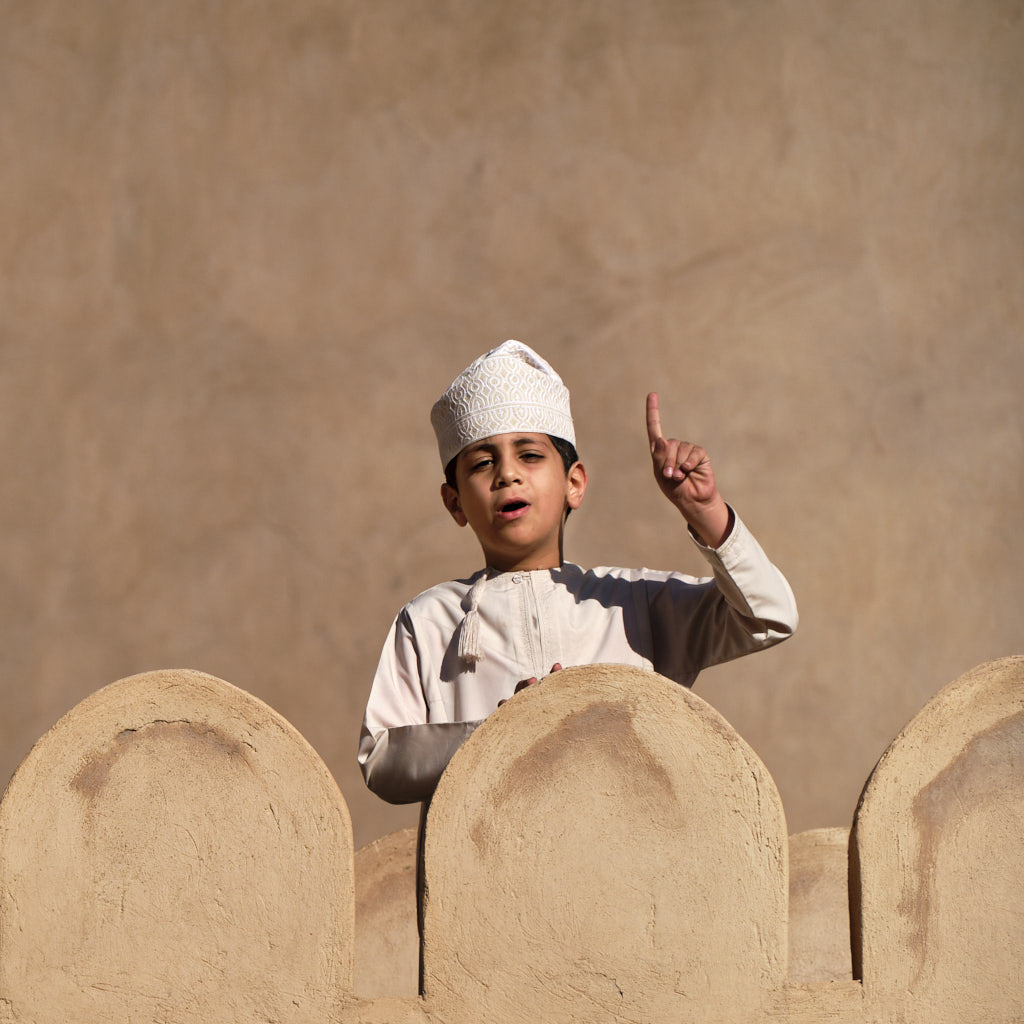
[{"x": 532, "y": 456}]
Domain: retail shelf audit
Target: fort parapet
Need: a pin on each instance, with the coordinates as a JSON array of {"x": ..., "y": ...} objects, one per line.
[{"x": 605, "y": 848}]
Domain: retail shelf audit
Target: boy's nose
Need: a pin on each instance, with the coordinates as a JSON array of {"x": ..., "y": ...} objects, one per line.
[{"x": 507, "y": 473}]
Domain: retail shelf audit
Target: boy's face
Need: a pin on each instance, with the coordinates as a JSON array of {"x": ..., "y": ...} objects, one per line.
[{"x": 514, "y": 492}]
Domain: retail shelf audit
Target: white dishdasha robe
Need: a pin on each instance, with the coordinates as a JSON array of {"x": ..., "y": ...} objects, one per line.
[{"x": 425, "y": 699}]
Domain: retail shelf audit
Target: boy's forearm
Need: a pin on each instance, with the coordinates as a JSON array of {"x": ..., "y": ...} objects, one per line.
[
  {"x": 712, "y": 523},
  {"x": 408, "y": 760},
  {"x": 762, "y": 605}
]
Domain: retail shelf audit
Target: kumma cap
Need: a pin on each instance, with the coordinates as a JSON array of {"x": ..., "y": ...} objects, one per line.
[{"x": 508, "y": 389}]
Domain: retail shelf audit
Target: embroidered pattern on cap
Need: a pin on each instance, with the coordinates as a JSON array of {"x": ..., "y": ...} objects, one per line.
[{"x": 509, "y": 388}]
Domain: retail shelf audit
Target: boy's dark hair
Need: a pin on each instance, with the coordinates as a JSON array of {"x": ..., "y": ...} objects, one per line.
[{"x": 564, "y": 448}]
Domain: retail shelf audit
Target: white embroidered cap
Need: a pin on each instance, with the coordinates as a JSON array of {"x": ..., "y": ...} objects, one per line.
[{"x": 509, "y": 388}]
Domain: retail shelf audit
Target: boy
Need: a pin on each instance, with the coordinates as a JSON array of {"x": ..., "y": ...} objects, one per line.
[{"x": 462, "y": 648}]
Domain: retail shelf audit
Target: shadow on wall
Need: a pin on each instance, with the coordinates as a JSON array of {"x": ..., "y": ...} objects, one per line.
[{"x": 604, "y": 848}]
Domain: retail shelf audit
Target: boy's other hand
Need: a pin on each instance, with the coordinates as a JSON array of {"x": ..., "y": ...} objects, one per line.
[
  {"x": 684, "y": 474},
  {"x": 532, "y": 681}
]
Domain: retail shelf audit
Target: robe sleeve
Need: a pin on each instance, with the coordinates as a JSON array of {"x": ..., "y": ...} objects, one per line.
[
  {"x": 746, "y": 606},
  {"x": 405, "y": 743}
]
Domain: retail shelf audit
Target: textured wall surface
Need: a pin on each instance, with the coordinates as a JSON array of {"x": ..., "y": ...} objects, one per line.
[
  {"x": 247, "y": 244},
  {"x": 943, "y": 813},
  {"x": 387, "y": 943},
  {"x": 819, "y": 912},
  {"x": 605, "y": 848},
  {"x": 387, "y": 938},
  {"x": 171, "y": 850},
  {"x": 616, "y": 782}
]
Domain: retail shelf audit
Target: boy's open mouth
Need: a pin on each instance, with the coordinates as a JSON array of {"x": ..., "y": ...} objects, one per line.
[{"x": 510, "y": 508}]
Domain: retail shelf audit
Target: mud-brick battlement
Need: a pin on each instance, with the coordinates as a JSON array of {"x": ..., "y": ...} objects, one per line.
[{"x": 605, "y": 848}]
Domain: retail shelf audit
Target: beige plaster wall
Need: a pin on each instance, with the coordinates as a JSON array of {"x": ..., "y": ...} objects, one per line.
[
  {"x": 173, "y": 850},
  {"x": 605, "y": 848},
  {"x": 943, "y": 813},
  {"x": 387, "y": 943},
  {"x": 819, "y": 911},
  {"x": 612, "y": 782},
  {"x": 246, "y": 244},
  {"x": 387, "y": 938}
]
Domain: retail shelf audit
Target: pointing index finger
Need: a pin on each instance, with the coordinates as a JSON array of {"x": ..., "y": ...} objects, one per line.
[{"x": 653, "y": 419}]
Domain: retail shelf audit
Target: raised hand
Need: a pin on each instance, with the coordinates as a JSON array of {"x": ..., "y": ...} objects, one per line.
[{"x": 684, "y": 474}]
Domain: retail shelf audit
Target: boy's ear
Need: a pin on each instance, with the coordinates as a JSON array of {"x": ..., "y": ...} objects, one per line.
[
  {"x": 450, "y": 497},
  {"x": 576, "y": 484}
]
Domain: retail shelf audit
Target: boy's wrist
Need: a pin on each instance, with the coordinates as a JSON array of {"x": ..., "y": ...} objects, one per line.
[{"x": 711, "y": 522}]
